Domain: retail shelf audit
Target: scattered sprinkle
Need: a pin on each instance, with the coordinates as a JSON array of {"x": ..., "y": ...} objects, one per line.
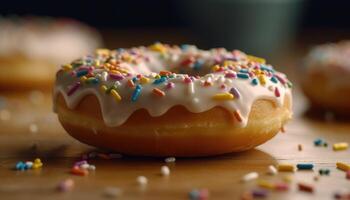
[
  {"x": 305, "y": 166},
  {"x": 300, "y": 147},
  {"x": 223, "y": 96},
  {"x": 170, "y": 160},
  {"x": 324, "y": 172},
  {"x": 305, "y": 187},
  {"x": 112, "y": 192},
  {"x": 66, "y": 185},
  {"x": 286, "y": 168},
  {"x": 272, "y": 170},
  {"x": 165, "y": 171},
  {"x": 142, "y": 180},
  {"x": 250, "y": 176},
  {"x": 198, "y": 194},
  {"x": 343, "y": 166},
  {"x": 340, "y": 146}
]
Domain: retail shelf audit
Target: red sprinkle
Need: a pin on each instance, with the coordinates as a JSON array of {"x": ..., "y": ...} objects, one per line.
[
  {"x": 73, "y": 88},
  {"x": 305, "y": 187},
  {"x": 76, "y": 170},
  {"x": 277, "y": 92},
  {"x": 158, "y": 92}
]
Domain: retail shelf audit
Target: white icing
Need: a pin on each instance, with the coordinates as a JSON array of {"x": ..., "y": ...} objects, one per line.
[
  {"x": 193, "y": 96},
  {"x": 44, "y": 38}
]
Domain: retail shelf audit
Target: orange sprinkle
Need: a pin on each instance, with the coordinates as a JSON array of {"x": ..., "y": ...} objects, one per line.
[
  {"x": 158, "y": 92},
  {"x": 238, "y": 116},
  {"x": 164, "y": 73},
  {"x": 76, "y": 170},
  {"x": 131, "y": 83}
]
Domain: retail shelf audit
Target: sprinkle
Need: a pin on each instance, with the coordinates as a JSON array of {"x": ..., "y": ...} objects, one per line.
[
  {"x": 262, "y": 79},
  {"x": 286, "y": 168},
  {"x": 272, "y": 170},
  {"x": 305, "y": 166},
  {"x": 305, "y": 187},
  {"x": 343, "y": 166},
  {"x": 20, "y": 166},
  {"x": 198, "y": 194},
  {"x": 300, "y": 147},
  {"x": 242, "y": 75},
  {"x": 67, "y": 67},
  {"x": 256, "y": 59},
  {"x": 76, "y": 170},
  {"x": 223, "y": 96},
  {"x": 112, "y": 192},
  {"x": 280, "y": 79},
  {"x": 165, "y": 73},
  {"x": 235, "y": 93},
  {"x": 135, "y": 95},
  {"x": 254, "y": 82},
  {"x": 238, "y": 115},
  {"x": 92, "y": 80},
  {"x": 340, "y": 146},
  {"x": 170, "y": 85},
  {"x": 73, "y": 88},
  {"x": 102, "y": 52},
  {"x": 277, "y": 92},
  {"x": 116, "y": 76},
  {"x": 65, "y": 185},
  {"x": 116, "y": 95},
  {"x": 159, "y": 47},
  {"x": 165, "y": 171},
  {"x": 33, "y": 128},
  {"x": 131, "y": 83},
  {"x": 324, "y": 172},
  {"x": 259, "y": 193},
  {"x": 250, "y": 176},
  {"x": 37, "y": 164},
  {"x": 281, "y": 186},
  {"x": 160, "y": 80},
  {"x": 142, "y": 180},
  {"x": 103, "y": 88},
  {"x": 187, "y": 80},
  {"x": 144, "y": 80},
  {"x": 82, "y": 72},
  {"x": 318, "y": 142},
  {"x": 170, "y": 159},
  {"x": 198, "y": 64},
  {"x": 29, "y": 164},
  {"x": 230, "y": 75},
  {"x": 266, "y": 184},
  {"x": 273, "y": 79},
  {"x": 158, "y": 92}
]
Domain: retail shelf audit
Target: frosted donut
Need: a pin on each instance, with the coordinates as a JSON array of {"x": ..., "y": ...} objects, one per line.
[
  {"x": 326, "y": 77},
  {"x": 165, "y": 100},
  {"x": 31, "y": 49}
]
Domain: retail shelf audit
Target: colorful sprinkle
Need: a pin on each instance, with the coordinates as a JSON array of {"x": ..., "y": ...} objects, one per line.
[
  {"x": 286, "y": 168},
  {"x": 136, "y": 93},
  {"x": 242, "y": 75},
  {"x": 116, "y": 95},
  {"x": 73, "y": 88},
  {"x": 340, "y": 146},
  {"x": 343, "y": 166},
  {"x": 250, "y": 176},
  {"x": 305, "y": 166},
  {"x": 235, "y": 93},
  {"x": 305, "y": 187},
  {"x": 223, "y": 96},
  {"x": 165, "y": 171},
  {"x": 158, "y": 92}
]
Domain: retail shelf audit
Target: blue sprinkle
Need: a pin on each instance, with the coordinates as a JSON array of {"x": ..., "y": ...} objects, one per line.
[
  {"x": 194, "y": 194},
  {"x": 198, "y": 64},
  {"x": 266, "y": 68},
  {"x": 274, "y": 79},
  {"x": 135, "y": 95},
  {"x": 318, "y": 142},
  {"x": 242, "y": 75},
  {"x": 184, "y": 47},
  {"x": 20, "y": 166},
  {"x": 255, "y": 81},
  {"x": 306, "y": 166},
  {"x": 82, "y": 72},
  {"x": 244, "y": 71},
  {"x": 160, "y": 80},
  {"x": 134, "y": 79}
]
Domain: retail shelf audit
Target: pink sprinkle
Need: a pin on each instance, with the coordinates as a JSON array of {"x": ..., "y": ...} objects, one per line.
[
  {"x": 280, "y": 79},
  {"x": 223, "y": 86},
  {"x": 116, "y": 76},
  {"x": 251, "y": 74},
  {"x": 170, "y": 85},
  {"x": 187, "y": 80},
  {"x": 277, "y": 92},
  {"x": 80, "y": 163},
  {"x": 230, "y": 75},
  {"x": 282, "y": 187},
  {"x": 73, "y": 88}
]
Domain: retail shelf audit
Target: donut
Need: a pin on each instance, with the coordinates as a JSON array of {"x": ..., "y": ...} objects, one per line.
[
  {"x": 164, "y": 100},
  {"x": 32, "y": 48},
  {"x": 326, "y": 77}
]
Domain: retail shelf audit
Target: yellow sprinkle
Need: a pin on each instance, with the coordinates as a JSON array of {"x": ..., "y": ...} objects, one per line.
[
  {"x": 262, "y": 79},
  {"x": 37, "y": 165},
  {"x": 158, "y": 47},
  {"x": 343, "y": 166},
  {"x": 83, "y": 79},
  {"x": 97, "y": 63},
  {"x": 113, "y": 71},
  {"x": 144, "y": 80},
  {"x": 116, "y": 95},
  {"x": 256, "y": 59},
  {"x": 266, "y": 184},
  {"x": 228, "y": 63},
  {"x": 157, "y": 76},
  {"x": 215, "y": 68},
  {"x": 223, "y": 96},
  {"x": 340, "y": 146},
  {"x": 103, "y": 88},
  {"x": 286, "y": 168},
  {"x": 102, "y": 52},
  {"x": 67, "y": 67}
]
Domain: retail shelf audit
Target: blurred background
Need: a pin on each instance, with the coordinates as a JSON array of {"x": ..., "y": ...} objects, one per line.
[{"x": 280, "y": 30}]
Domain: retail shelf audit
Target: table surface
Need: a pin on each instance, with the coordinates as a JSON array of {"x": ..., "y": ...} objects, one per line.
[{"x": 221, "y": 175}]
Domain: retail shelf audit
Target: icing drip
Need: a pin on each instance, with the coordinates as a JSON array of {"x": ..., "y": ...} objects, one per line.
[{"x": 126, "y": 80}]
